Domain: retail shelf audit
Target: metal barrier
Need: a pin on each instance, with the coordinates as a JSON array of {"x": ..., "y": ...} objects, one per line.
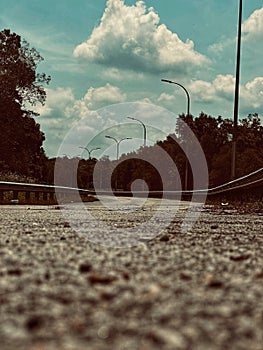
[
  {"x": 11, "y": 192},
  {"x": 16, "y": 192}
]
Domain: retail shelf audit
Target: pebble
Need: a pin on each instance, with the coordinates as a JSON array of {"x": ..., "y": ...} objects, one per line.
[{"x": 85, "y": 267}]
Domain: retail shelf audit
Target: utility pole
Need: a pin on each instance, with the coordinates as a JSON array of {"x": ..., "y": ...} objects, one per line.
[{"x": 234, "y": 139}]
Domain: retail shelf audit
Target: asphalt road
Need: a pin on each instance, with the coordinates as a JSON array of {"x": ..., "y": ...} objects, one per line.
[{"x": 199, "y": 290}]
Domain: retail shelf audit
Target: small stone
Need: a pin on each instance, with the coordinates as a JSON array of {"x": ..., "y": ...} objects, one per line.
[
  {"x": 85, "y": 267},
  {"x": 164, "y": 238},
  {"x": 186, "y": 276},
  {"x": 152, "y": 291},
  {"x": 103, "y": 332},
  {"x": 41, "y": 241},
  {"x": 165, "y": 338},
  {"x": 95, "y": 278},
  {"x": 104, "y": 295},
  {"x": 47, "y": 275},
  {"x": 239, "y": 257},
  {"x": 259, "y": 274},
  {"x": 214, "y": 283},
  {"x": 34, "y": 323},
  {"x": 126, "y": 276},
  {"x": 214, "y": 227},
  {"x": 14, "y": 272}
]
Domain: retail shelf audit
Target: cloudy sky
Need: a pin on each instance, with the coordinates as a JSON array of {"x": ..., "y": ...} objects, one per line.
[{"x": 101, "y": 53}]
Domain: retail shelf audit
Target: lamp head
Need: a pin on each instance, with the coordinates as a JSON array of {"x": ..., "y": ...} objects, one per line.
[{"x": 166, "y": 81}]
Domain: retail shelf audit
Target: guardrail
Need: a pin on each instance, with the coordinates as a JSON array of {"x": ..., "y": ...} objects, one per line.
[{"x": 16, "y": 192}]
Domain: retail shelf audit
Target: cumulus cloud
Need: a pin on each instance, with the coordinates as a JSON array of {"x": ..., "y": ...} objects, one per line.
[
  {"x": 106, "y": 94},
  {"x": 252, "y": 30},
  {"x": 202, "y": 91},
  {"x": 96, "y": 98},
  {"x": 222, "y": 89},
  {"x": 61, "y": 101},
  {"x": 253, "y": 92},
  {"x": 62, "y": 110},
  {"x": 167, "y": 98},
  {"x": 253, "y": 26},
  {"x": 130, "y": 37},
  {"x": 57, "y": 100}
]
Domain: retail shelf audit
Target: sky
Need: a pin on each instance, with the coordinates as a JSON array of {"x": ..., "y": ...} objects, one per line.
[{"x": 106, "y": 60}]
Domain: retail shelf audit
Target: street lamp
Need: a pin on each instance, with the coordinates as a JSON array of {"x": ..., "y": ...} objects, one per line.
[
  {"x": 89, "y": 151},
  {"x": 233, "y": 161},
  {"x": 118, "y": 142},
  {"x": 187, "y": 93},
  {"x": 188, "y": 114},
  {"x": 144, "y": 129}
]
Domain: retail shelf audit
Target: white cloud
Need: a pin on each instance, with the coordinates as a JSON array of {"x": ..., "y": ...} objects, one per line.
[
  {"x": 253, "y": 26},
  {"x": 105, "y": 94},
  {"x": 252, "y": 30},
  {"x": 253, "y": 93},
  {"x": 224, "y": 86},
  {"x": 57, "y": 100},
  {"x": 222, "y": 45},
  {"x": 96, "y": 98},
  {"x": 120, "y": 75},
  {"x": 61, "y": 101},
  {"x": 62, "y": 111},
  {"x": 202, "y": 91},
  {"x": 164, "y": 97},
  {"x": 131, "y": 37},
  {"x": 222, "y": 89}
]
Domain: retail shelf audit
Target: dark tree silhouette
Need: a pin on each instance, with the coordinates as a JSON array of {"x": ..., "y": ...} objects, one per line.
[
  {"x": 21, "y": 87},
  {"x": 214, "y": 136}
]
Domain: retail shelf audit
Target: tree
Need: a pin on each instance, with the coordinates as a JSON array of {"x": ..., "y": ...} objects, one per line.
[
  {"x": 21, "y": 87},
  {"x": 214, "y": 137}
]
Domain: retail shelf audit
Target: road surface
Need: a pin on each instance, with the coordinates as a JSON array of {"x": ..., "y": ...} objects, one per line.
[{"x": 197, "y": 290}]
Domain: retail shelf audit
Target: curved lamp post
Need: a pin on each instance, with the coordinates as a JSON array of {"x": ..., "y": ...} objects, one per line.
[
  {"x": 144, "y": 129},
  {"x": 89, "y": 151},
  {"x": 188, "y": 113},
  {"x": 187, "y": 93},
  {"x": 118, "y": 142}
]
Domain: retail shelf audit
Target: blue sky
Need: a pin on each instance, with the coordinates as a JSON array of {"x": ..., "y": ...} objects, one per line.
[{"x": 100, "y": 53}]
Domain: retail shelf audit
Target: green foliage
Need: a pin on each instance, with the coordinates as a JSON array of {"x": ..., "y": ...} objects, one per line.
[
  {"x": 214, "y": 136},
  {"x": 20, "y": 87}
]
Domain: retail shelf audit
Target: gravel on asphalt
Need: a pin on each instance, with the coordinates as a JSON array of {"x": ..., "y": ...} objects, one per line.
[{"x": 197, "y": 290}]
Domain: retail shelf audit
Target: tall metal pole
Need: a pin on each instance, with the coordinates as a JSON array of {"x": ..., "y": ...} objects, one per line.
[
  {"x": 89, "y": 151},
  {"x": 185, "y": 90},
  {"x": 234, "y": 139},
  {"x": 118, "y": 142},
  {"x": 144, "y": 129},
  {"x": 188, "y": 114}
]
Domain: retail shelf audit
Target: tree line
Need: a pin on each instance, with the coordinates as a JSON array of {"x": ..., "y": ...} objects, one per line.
[{"x": 21, "y": 140}]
